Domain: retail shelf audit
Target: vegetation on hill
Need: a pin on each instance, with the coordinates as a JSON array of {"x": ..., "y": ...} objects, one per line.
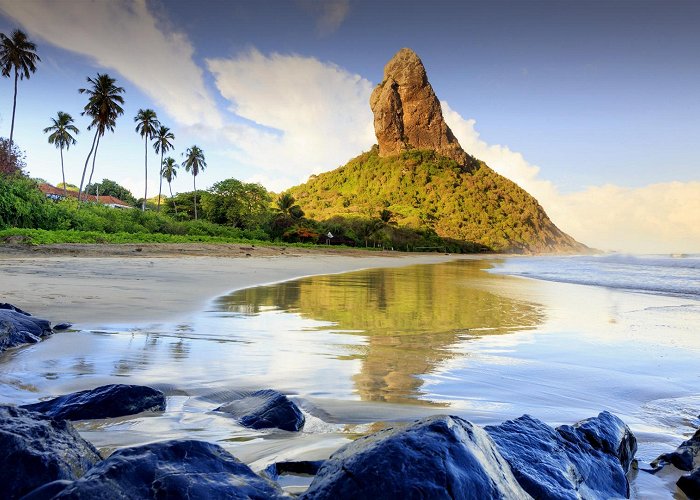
[
  {"x": 231, "y": 211},
  {"x": 421, "y": 190}
]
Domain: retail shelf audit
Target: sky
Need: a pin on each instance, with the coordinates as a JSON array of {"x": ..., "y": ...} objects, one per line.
[{"x": 593, "y": 107}]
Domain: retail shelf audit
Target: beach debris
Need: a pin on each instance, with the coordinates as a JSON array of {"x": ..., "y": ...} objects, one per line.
[
  {"x": 18, "y": 327},
  {"x": 37, "y": 449},
  {"x": 587, "y": 460},
  {"x": 438, "y": 457},
  {"x": 264, "y": 409},
  {"x": 107, "y": 401},
  {"x": 168, "y": 469}
]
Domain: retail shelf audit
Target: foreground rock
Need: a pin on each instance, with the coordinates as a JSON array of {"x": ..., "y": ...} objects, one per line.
[
  {"x": 18, "y": 327},
  {"x": 685, "y": 458},
  {"x": 108, "y": 401},
  {"x": 37, "y": 449},
  {"x": 437, "y": 457},
  {"x": 170, "y": 469},
  {"x": 586, "y": 460},
  {"x": 407, "y": 113},
  {"x": 265, "y": 409}
]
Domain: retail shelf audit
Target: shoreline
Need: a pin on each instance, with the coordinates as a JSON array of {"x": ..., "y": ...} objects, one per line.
[{"x": 99, "y": 285}]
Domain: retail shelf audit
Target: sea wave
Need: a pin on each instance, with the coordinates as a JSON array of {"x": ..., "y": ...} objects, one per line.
[{"x": 655, "y": 274}]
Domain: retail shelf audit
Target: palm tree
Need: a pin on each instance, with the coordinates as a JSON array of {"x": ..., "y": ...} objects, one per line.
[
  {"x": 18, "y": 54},
  {"x": 104, "y": 107},
  {"x": 286, "y": 204},
  {"x": 168, "y": 171},
  {"x": 194, "y": 162},
  {"x": 162, "y": 145},
  {"x": 62, "y": 138},
  {"x": 147, "y": 124}
]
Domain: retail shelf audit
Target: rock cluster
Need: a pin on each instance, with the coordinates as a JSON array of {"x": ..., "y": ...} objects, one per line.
[
  {"x": 447, "y": 457},
  {"x": 435, "y": 457},
  {"x": 407, "y": 113}
]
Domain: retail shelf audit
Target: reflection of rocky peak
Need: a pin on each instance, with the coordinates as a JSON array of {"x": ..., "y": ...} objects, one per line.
[{"x": 407, "y": 113}]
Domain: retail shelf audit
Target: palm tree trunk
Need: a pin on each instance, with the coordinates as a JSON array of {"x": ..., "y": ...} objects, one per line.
[
  {"x": 63, "y": 174},
  {"x": 194, "y": 180},
  {"x": 145, "y": 156},
  {"x": 14, "y": 106},
  {"x": 171, "y": 197},
  {"x": 94, "y": 157},
  {"x": 160, "y": 176},
  {"x": 87, "y": 160}
]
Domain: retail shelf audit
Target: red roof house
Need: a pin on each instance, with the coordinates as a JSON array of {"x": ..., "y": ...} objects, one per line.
[{"x": 58, "y": 194}]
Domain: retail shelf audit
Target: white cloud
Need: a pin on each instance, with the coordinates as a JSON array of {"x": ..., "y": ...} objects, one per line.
[
  {"x": 315, "y": 115},
  {"x": 126, "y": 36},
  {"x": 658, "y": 218},
  {"x": 330, "y": 14}
]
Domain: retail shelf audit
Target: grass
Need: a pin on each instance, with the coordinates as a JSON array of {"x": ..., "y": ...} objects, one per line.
[{"x": 58, "y": 236}]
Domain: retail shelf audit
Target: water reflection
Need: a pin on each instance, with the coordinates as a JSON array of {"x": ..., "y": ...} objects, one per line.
[{"x": 412, "y": 318}]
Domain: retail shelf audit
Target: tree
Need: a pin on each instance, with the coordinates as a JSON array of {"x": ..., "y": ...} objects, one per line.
[
  {"x": 12, "y": 159},
  {"x": 236, "y": 203},
  {"x": 104, "y": 107},
  {"x": 111, "y": 188},
  {"x": 18, "y": 55},
  {"x": 61, "y": 137},
  {"x": 286, "y": 205},
  {"x": 162, "y": 145},
  {"x": 168, "y": 171},
  {"x": 147, "y": 124},
  {"x": 194, "y": 163}
]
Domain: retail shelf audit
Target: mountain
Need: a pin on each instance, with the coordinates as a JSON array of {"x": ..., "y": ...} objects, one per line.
[{"x": 419, "y": 176}]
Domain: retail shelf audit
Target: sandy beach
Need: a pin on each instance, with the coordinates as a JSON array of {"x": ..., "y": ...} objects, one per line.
[{"x": 94, "y": 285}]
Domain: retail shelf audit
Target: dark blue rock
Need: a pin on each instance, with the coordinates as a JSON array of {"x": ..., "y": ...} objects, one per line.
[
  {"x": 435, "y": 458},
  {"x": 170, "y": 469},
  {"x": 686, "y": 457},
  {"x": 609, "y": 434},
  {"x": 690, "y": 484},
  {"x": 108, "y": 401},
  {"x": 36, "y": 449},
  {"x": 264, "y": 409},
  {"x": 589, "y": 459},
  {"x": 18, "y": 327}
]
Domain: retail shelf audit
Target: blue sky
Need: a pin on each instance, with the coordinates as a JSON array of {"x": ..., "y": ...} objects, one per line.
[{"x": 595, "y": 105}]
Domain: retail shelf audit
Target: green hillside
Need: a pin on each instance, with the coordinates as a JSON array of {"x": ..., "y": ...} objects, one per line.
[{"x": 424, "y": 190}]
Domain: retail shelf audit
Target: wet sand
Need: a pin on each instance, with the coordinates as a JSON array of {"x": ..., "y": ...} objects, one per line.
[{"x": 97, "y": 285}]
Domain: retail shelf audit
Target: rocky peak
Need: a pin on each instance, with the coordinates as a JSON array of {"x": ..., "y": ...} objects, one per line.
[{"x": 407, "y": 113}]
